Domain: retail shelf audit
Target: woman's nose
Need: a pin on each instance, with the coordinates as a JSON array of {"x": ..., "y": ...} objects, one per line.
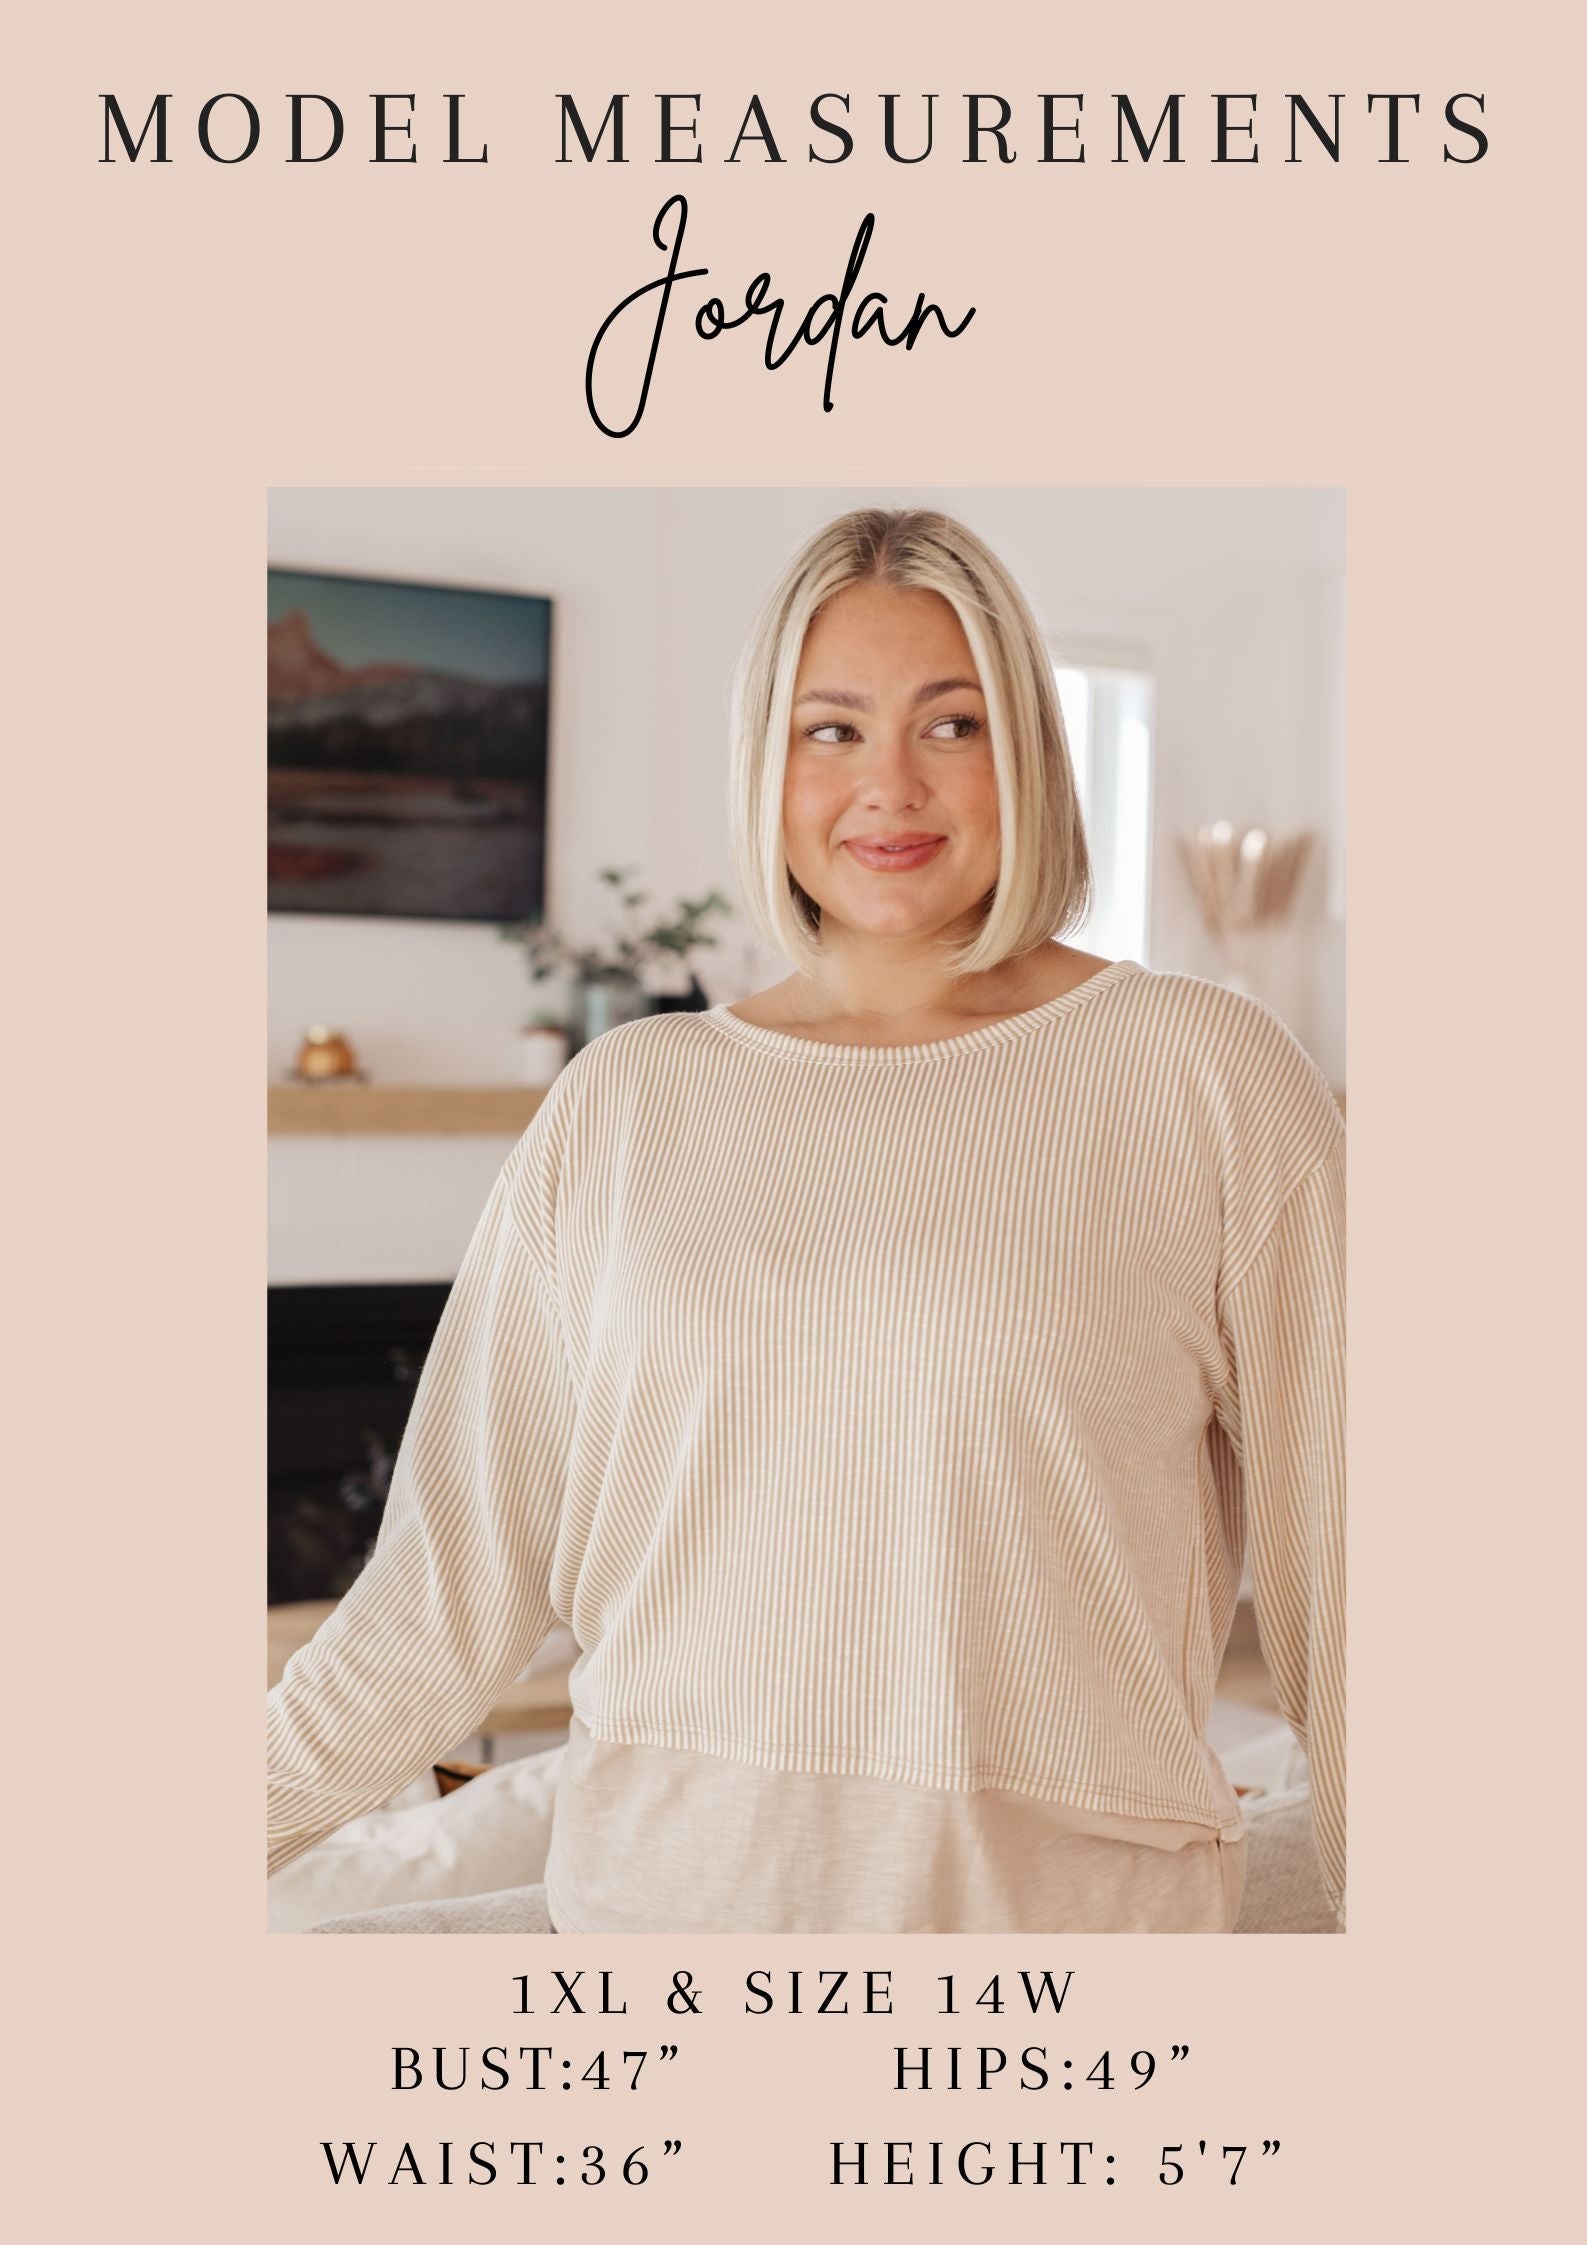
[{"x": 891, "y": 770}]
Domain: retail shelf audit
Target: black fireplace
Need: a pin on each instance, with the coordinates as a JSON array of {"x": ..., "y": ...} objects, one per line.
[{"x": 343, "y": 1364}]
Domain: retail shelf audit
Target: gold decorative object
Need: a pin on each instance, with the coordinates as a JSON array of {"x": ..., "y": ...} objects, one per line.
[
  {"x": 325, "y": 1056},
  {"x": 1244, "y": 879}
]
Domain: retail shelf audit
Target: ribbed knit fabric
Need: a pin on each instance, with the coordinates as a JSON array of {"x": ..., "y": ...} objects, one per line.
[{"x": 892, "y": 1412}]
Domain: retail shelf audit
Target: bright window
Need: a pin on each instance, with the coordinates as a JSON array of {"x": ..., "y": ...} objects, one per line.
[{"x": 1108, "y": 717}]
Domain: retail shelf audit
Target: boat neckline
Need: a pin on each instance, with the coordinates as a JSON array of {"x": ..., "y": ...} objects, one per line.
[{"x": 1012, "y": 1025}]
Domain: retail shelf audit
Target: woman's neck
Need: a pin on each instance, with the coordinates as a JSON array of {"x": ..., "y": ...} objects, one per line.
[{"x": 864, "y": 986}]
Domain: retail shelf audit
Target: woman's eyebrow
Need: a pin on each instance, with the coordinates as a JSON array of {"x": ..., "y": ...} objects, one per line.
[
  {"x": 839, "y": 698},
  {"x": 939, "y": 686}
]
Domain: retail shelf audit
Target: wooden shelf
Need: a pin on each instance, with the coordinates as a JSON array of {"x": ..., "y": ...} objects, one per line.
[
  {"x": 401, "y": 1110},
  {"x": 412, "y": 1110}
]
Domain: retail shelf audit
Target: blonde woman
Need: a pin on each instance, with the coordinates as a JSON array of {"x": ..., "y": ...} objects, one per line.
[{"x": 884, "y": 1377}]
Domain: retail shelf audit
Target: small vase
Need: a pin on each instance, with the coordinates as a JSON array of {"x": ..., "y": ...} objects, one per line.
[
  {"x": 542, "y": 1054},
  {"x": 604, "y": 1001}
]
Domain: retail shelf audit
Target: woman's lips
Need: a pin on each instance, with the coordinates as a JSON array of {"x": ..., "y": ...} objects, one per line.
[{"x": 902, "y": 860}]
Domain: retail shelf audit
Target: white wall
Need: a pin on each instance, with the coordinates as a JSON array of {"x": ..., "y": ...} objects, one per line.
[{"x": 1235, "y": 598}]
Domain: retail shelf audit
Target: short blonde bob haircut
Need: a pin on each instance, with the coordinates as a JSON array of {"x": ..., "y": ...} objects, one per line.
[{"x": 1043, "y": 887}]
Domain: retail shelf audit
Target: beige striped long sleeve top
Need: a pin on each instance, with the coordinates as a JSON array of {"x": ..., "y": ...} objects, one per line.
[{"x": 897, "y": 1414}]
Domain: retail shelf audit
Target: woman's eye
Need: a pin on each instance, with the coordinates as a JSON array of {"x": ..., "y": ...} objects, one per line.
[{"x": 837, "y": 732}]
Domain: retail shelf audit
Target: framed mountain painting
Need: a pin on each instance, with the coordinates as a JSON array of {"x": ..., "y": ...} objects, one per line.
[{"x": 407, "y": 748}]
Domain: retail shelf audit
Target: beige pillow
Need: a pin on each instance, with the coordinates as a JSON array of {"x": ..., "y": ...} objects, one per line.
[{"x": 1284, "y": 1891}]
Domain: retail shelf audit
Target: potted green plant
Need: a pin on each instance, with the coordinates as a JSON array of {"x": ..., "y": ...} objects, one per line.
[{"x": 619, "y": 978}]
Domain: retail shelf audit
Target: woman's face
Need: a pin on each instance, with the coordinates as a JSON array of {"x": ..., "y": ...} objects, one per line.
[{"x": 888, "y": 744}]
